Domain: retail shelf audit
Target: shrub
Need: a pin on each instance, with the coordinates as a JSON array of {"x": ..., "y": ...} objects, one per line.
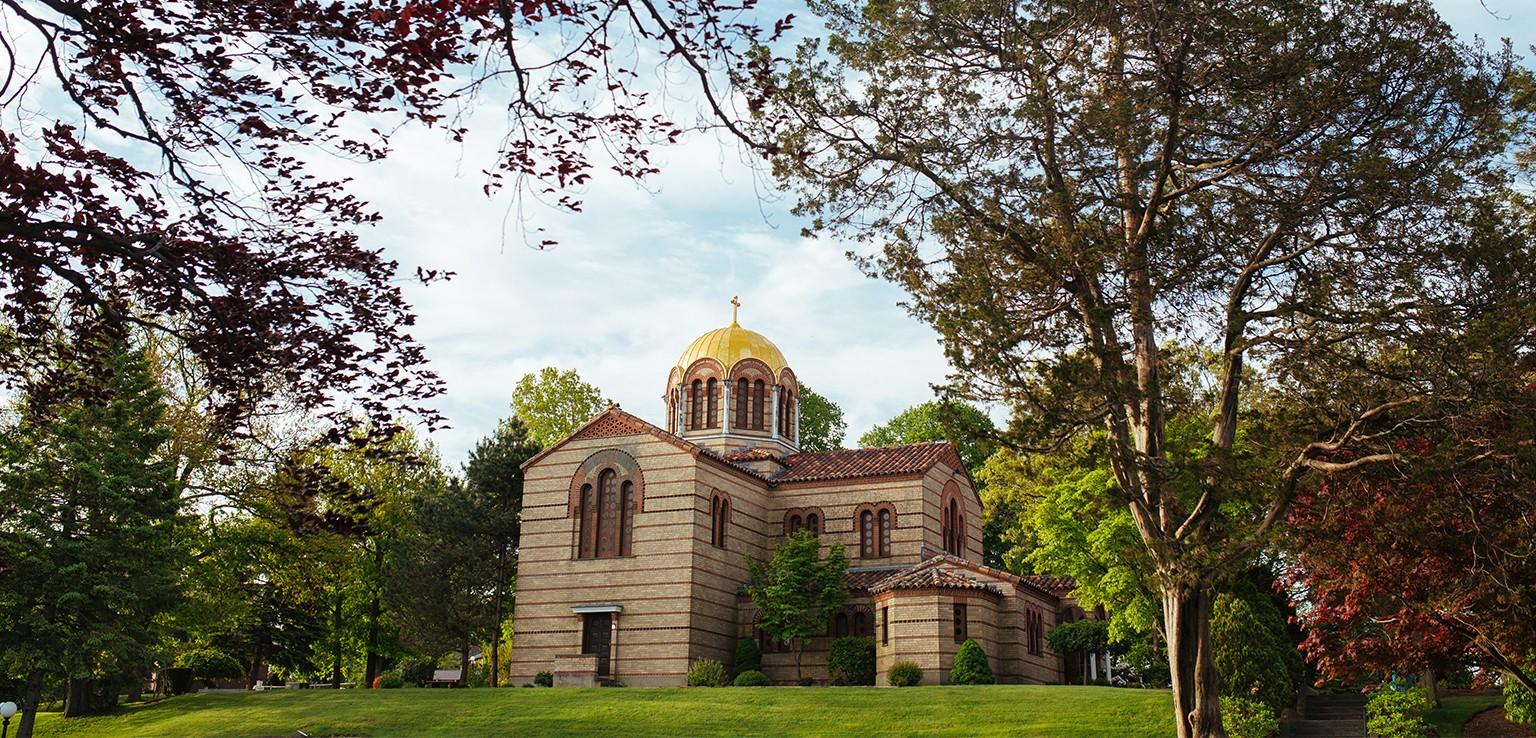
[
  {"x": 707, "y": 673},
  {"x": 851, "y": 662},
  {"x": 904, "y": 674},
  {"x": 543, "y": 679},
  {"x": 1248, "y": 718},
  {"x": 208, "y": 665},
  {"x": 388, "y": 680},
  {"x": 971, "y": 665},
  {"x": 1393, "y": 714},
  {"x": 416, "y": 671},
  {"x": 752, "y": 678},
  {"x": 1519, "y": 702},
  {"x": 1249, "y": 657},
  {"x": 748, "y": 657}
]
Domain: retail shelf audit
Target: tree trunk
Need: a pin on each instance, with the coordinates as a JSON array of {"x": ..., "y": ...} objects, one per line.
[
  {"x": 496, "y": 623},
  {"x": 29, "y": 704},
  {"x": 464, "y": 661},
  {"x": 250, "y": 676},
  {"x": 336, "y": 650},
  {"x": 77, "y": 698},
  {"x": 799, "y": 649},
  {"x": 372, "y": 666},
  {"x": 1196, "y": 686}
]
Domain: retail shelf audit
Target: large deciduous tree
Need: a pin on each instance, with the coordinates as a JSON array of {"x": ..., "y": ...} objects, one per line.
[
  {"x": 1066, "y": 187},
  {"x": 966, "y": 427},
  {"x": 821, "y": 422},
  {"x": 494, "y": 478},
  {"x": 553, "y": 404}
]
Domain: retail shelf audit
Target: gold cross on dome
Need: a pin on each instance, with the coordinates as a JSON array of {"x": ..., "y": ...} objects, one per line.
[{"x": 735, "y": 306}]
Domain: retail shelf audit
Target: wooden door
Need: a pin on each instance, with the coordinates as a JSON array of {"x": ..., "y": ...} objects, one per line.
[{"x": 597, "y": 637}]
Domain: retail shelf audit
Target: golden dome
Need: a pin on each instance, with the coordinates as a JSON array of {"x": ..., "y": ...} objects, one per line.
[{"x": 730, "y": 345}]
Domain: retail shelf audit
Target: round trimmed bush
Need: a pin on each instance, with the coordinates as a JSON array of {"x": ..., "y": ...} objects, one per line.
[
  {"x": 209, "y": 665},
  {"x": 707, "y": 673},
  {"x": 388, "y": 680},
  {"x": 851, "y": 662},
  {"x": 748, "y": 657},
  {"x": 416, "y": 671},
  {"x": 971, "y": 665},
  {"x": 904, "y": 674},
  {"x": 752, "y": 678},
  {"x": 543, "y": 679}
]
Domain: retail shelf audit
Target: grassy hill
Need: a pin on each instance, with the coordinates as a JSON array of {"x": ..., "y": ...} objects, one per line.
[{"x": 1090, "y": 712}]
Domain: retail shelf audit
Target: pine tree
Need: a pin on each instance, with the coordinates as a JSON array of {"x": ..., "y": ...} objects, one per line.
[{"x": 90, "y": 507}]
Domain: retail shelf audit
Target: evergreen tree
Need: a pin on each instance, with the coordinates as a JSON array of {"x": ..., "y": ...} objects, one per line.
[
  {"x": 494, "y": 479},
  {"x": 87, "y": 537}
]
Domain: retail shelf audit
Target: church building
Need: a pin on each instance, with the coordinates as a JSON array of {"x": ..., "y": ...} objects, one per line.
[{"x": 633, "y": 536}]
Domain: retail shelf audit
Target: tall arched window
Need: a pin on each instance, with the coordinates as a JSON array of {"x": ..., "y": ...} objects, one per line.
[
  {"x": 741, "y": 401},
  {"x": 813, "y": 523},
  {"x": 696, "y": 405},
  {"x": 875, "y": 523},
  {"x": 719, "y": 519},
  {"x": 712, "y": 418},
  {"x": 954, "y": 528},
  {"x": 795, "y": 524},
  {"x": 840, "y": 625},
  {"x": 861, "y": 624},
  {"x": 606, "y": 512},
  {"x": 759, "y": 390}
]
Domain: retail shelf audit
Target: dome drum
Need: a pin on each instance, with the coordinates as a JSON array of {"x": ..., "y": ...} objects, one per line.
[{"x": 732, "y": 389}]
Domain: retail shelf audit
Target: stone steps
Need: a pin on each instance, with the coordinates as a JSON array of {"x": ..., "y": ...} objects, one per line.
[{"x": 1330, "y": 716}]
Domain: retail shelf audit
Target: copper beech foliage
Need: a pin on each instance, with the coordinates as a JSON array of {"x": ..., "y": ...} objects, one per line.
[
  {"x": 1403, "y": 570},
  {"x": 157, "y": 163}
]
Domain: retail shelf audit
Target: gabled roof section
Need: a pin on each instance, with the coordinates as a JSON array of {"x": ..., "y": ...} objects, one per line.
[
  {"x": 865, "y": 577},
  {"x": 1057, "y": 587},
  {"x": 889, "y": 461},
  {"x": 933, "y": 574},
  {"x": 614, "y": 422}
]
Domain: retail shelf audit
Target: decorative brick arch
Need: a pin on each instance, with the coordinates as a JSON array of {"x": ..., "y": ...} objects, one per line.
[
  {"x": 952, "y": 519},
  {"x": 876, "y": 532},
  {"x": 621, "y": 463},
  {"x": 801, "y": 517}
]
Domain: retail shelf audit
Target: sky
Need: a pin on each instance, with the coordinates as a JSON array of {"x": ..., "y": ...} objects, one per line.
[{"x": 647, "y": 268}]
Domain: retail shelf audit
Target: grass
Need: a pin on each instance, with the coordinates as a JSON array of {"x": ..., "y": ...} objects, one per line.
[
  {"x": 1453, "y": 713},
  {"x": 1003, "y": 710}
]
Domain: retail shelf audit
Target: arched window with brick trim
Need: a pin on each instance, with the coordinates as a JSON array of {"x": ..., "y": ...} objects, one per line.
[
  {"x": 759, "y": 399},
  {"x": 794, "y": 524},
  {"x": 813, "y": 523},
  {"x": 605, "y": 497},
  {"x": 696, "y": 405},
  {"x": 719, "y": 519},
  {"x": 741, "y": 399},
  {"x": 876, "y": 524},
  {"x": 803, "y": 518}
]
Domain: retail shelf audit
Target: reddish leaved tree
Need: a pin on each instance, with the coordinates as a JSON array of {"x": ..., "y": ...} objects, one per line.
[
  {"x": 1427, "y": 564},
  {"x": 155, "y": 163}
]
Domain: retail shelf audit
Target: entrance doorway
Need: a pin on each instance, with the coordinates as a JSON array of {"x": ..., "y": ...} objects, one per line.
[{"x": 597, "y": 638}]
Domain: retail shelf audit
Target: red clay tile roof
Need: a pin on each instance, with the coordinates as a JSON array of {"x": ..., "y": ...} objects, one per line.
[
  {"x": 865, "y": 462},
  {"x": 754, "y": 453},
  {"x": 1054, "y": 585},
  {"x": 864, "y": 577},
  {"x": 929, "y": 577}
]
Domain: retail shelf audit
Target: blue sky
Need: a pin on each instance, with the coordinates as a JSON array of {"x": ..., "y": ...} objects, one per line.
[{"x": 646, "y": 269}]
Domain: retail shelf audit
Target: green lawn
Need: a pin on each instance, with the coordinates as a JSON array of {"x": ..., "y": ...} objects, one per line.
[
  {"x": 1454, "y": 712},
  {"x": 1090, "y": 712}
]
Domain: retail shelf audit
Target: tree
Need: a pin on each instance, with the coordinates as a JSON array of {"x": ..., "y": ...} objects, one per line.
[
  {"x": 159, "y": 161},
  {"x": 797, "y": 592},
  {"x": 494, "y": 478},
  {"x": 971, "y": 665},
  {"x": 440, "y": 572},
  {"x": 86, "y": 541},
  {"x": 1249, "y": 657},
  {"x": 553, "y": 404},
  {"x": 1063, "y": 188},
  {"x": 960, "y": 424},
  {"x": 821, "y": 422}
]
